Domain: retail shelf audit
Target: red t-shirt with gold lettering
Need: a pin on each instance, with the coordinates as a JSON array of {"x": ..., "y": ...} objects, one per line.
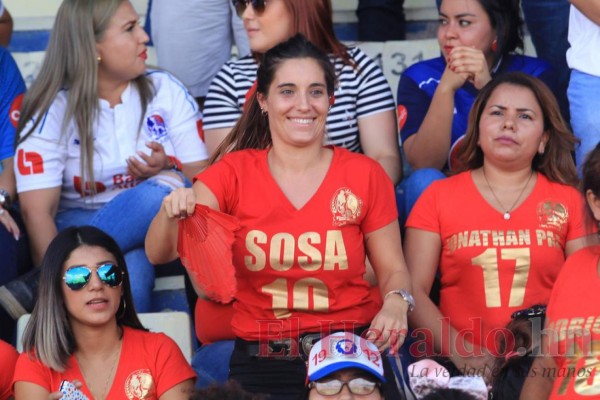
[
  {"x": 489, "y": 266},
  {"x": 149, "y": 365},
  {"x": 301, "y": 270},
  {"x": 574, "y": 316}
]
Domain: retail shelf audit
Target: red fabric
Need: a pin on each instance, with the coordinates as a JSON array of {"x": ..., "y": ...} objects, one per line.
[
  {"x": 213, "y": 321},
  {"x": 575, "y": 307},
  {"x": 149, "y": 365},
  {"x": 204, "y": 246},
  {"x": 480, "y": 285},
  {"x": 8, "y": 359},
  {"x": 300, "y": 269}
]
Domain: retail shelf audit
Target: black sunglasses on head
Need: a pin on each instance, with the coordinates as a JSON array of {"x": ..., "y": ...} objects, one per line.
[
  {"x": 533, "y": 311},
  {"x": 257, "y": 5}
]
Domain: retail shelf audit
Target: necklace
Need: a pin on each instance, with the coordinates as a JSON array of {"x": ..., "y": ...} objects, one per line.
[
  {"x": 110, "y": 374},
  {"x": 508, "y": 210}
]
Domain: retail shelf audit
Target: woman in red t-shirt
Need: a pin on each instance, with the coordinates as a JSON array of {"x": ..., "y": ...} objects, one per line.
[
  {"x": 497, "y": 232},
  {"x": 308, "y": 215},
  {"x": 84, "y": 330},
  {"x": 569, "y": 364}
]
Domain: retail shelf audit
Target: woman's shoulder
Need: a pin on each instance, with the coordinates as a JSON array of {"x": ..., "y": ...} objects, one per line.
[
  {"x": 242, "y": 64},
  {"x": 162, "y": 79},
  {"x": 343, "y": 155},
  {"x": 426, "y": 70},
  {"x": 558, "y": 188},
  {"x": 582, "y": 264},
  {"x": 588, "y": 253},
  {"x": 531, "y": 65},
  {"x": 243, "y": 159},
  {"x": 145, "y": 339}
]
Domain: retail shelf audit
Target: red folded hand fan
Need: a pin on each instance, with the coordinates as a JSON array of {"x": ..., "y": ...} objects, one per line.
[{"x": 204, "y": 246}]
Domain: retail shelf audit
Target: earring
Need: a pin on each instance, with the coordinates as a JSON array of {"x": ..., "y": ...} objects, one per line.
[
  {"x": 542, "y": 150},
  {"x": 98, "y": 59},
  {"x": 122, "y": 314},
  {"x": 264, "y": 112},
  {"x": 494, "y": 45}
]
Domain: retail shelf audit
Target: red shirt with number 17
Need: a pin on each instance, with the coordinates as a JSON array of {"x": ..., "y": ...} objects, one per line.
[{"x": 491, "y": 267}]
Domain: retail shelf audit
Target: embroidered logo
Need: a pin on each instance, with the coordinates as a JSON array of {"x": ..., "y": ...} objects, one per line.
[
  {"x": 552, "y": 215},
  {"x": 345, "y": 206},
  {"x": 345, "y": 348},
  {"x": 156, "y": 128},
  {"x": 139, "y": 385}
]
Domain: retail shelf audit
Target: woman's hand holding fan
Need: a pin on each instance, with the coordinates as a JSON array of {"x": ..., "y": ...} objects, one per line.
[{"x": 204, "y": 246}]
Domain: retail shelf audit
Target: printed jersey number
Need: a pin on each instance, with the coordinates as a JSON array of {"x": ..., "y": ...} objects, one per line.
[
  {"x": 586, "y": 378},
  {"x": 488, "y": 261},
  {"x": 307, "y": 294}
]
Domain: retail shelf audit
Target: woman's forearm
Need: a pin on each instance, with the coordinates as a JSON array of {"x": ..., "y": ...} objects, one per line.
[{"x": 429, "y": 147}]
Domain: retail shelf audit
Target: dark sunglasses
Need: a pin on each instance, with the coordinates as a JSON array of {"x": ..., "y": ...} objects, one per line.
[
  {"x": 533, "y": 311},
  {"x": 257, "y": 5},
  {"x": 78, "y": 276},
  {"x": 357, "y": 386}
]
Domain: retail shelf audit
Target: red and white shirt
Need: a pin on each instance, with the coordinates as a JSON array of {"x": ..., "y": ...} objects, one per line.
[{"x": 50, "y": 158}]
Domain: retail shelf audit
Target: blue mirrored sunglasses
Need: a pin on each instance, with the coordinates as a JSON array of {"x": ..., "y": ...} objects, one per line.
[{"x": 78, "y": 276}]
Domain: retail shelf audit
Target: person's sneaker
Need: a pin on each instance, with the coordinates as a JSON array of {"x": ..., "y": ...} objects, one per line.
[{"x": 18, "y": 297}]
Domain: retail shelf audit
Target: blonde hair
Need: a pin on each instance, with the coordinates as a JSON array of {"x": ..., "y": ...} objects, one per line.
[{"x": 70, "y": 64}]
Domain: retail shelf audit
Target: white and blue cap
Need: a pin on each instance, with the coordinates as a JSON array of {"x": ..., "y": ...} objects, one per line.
[{"x": 344, "y": 350}]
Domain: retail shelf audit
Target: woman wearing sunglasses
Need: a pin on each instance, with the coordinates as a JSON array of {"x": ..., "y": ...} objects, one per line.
[
  {"x": 308, "y": 215},
  {"x": 345, "y": 366},
  {"x": 84, "y": 329},
  {"x": 362, "y": 116}
]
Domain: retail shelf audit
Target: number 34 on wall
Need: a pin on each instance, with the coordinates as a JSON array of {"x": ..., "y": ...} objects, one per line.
[{"x": 488, "y": 261}]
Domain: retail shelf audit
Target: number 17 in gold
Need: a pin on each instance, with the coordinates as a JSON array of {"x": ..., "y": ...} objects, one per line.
[{"x": 488, "y": 261}]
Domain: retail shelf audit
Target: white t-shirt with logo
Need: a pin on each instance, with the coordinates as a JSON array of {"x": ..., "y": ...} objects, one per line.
[
  {"x": 584, "y": 37},
  {"x": 48, "y": 158}
]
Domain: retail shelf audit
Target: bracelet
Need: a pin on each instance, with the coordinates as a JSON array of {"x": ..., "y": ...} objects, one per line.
[
  {"x": 405, "y": 295},
  {"x": 5, "y": 200},
  {"x": 174, "y": 163}
]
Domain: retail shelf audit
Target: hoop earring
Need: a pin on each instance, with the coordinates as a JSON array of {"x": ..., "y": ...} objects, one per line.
[
  {"x": 122, "y": 314},
  {"x": 264, "y": 112}
]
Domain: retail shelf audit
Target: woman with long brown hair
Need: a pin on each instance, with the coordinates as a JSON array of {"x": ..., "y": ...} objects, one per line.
[
  {"x": 499, "y": 231},
  {"x": 362, "y": 117}
]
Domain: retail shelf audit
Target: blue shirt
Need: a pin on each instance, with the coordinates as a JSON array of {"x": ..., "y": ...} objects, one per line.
[
  {"x": 12, "y": 87},
  {"x": 420, "y": 81}
]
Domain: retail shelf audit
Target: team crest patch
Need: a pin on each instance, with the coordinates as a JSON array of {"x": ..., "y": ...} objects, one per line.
[
  {"x": 345, "y": 206},
  {"x": 552, "y": 215},
  {"x": 140, "y": 385},
  {"x": 156, "y": 128},
  {"x": 345, "y": 348}
]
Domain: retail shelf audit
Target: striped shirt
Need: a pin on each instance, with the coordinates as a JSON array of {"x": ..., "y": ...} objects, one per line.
[{"x": 362, "y": 90}]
